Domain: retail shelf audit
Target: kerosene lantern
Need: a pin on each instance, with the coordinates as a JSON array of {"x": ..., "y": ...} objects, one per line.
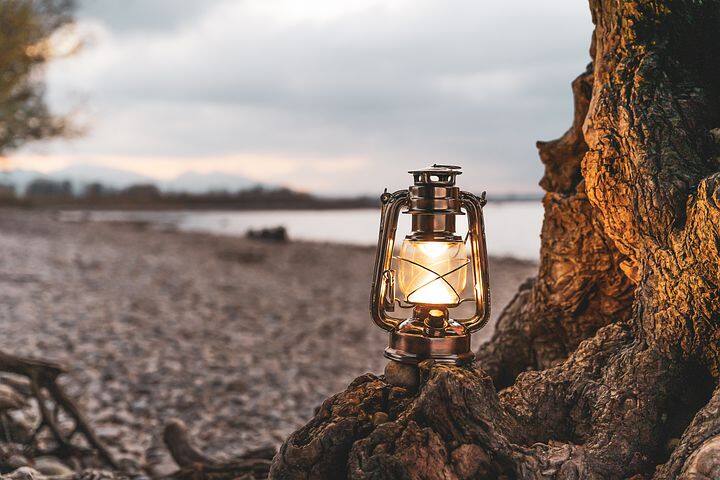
[{"x": 430, "y": 273}]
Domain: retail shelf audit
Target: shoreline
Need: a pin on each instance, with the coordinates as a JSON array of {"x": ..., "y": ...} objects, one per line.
[
  {"x": 321, "y": 204},
  {"x": 240, "y": 339},
  {"x": 512, "y": 229},
  {"x": 144, "y": 225}
]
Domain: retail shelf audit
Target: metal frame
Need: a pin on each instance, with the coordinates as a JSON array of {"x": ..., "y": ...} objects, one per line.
[
  {"x": 389, "y": 215},
  {"x": 383, "y": 299},
  {"x": 476, "y": 229}
]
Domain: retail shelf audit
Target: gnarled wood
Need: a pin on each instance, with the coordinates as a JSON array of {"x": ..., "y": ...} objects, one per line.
[
  {"x": 51, "y": 400},
  {"x": 194, "y": 464},
  {"x": 619, "y": 331},
  {"x": 581, "y": 285}
]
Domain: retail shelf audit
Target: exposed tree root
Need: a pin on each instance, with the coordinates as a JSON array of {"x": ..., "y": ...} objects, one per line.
[
  {"x": 581, "y": 285},
  {"x": 606, "y": 365},
  {"x": 604, "y": 413},
  {"x": 73, "y": 444},
  {"x": 64, "y": 433},
  {"x": 195, "y": 465},
  {"x": 621, "y": 327}
]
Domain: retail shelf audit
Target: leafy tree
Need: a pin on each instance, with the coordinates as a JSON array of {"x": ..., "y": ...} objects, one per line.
[
  {"x": 49, "y": 188},
  {"x": 26, "y": 30}
]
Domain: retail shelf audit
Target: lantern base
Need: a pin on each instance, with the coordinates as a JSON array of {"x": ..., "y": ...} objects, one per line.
[{"x": 413, "y": 348}]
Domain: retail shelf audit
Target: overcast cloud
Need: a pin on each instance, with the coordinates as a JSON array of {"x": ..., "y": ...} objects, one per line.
[{"x": 326, "y": 95}]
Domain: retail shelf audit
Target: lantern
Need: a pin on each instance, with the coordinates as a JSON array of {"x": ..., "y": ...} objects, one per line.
[{"x": 433, "y": 272}]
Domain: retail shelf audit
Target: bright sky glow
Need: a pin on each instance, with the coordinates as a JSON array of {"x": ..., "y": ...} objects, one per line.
[{"x": 324, "y": 95}]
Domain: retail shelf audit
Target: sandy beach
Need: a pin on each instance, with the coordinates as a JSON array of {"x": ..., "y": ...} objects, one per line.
[{"x": 240, "y": 339}]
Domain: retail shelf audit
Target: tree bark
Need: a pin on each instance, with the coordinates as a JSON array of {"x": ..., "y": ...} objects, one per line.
[{"x": 604, "y": 366}]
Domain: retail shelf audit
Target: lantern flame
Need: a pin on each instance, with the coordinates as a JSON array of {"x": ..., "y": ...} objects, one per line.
[{"x": 432, "y": 272}]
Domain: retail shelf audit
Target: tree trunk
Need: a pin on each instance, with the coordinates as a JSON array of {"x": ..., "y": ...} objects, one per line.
[{"x": 607, "y": 363}]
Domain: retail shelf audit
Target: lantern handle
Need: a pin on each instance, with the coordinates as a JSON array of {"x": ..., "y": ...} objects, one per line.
[
  {"x": 476, "y": 230},
  {"x": 379, "y": 304}
]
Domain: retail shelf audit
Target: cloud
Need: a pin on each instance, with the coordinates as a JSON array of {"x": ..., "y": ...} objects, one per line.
[
  {"x": 144, "y": 16},
  {"x": 398, "y": 84}
]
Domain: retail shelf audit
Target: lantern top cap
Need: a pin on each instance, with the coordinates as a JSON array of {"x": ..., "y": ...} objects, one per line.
[{"x": 443, "y": 175}]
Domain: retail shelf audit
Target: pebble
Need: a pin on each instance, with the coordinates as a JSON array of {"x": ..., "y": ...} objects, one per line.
[
  {"x": 51, "y": 466},
  {"x": 9, "y": 398},
  {"x": 16, "y": 461},
  {"x": 402, "y": 375},
  {"x": 238, "y": 338},
  {"x": 24, "y": 473}
]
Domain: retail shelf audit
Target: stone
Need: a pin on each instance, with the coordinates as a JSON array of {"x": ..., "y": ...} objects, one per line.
[
  {"x": 16, "y": 461},
  {"x": 51, "y": 467},
  {"x": 10, "y": 399},
  {"x": 276, "y": 234},
  {"x": 402, "y": 375},
  {"x": 24, "y": 473}
]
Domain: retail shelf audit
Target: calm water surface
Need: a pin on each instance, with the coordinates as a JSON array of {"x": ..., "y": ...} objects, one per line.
[{"x": 513, "y": 228}]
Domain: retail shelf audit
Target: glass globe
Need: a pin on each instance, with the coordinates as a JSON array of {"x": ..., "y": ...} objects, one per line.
[{"x": 432, "y": 272}]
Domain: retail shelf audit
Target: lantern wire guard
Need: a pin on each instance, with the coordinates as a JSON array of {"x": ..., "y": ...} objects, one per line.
[{"x": 433, "y": 201}]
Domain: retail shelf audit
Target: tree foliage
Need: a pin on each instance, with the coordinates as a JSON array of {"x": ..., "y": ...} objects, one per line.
[{"x": 26, "y": 30}]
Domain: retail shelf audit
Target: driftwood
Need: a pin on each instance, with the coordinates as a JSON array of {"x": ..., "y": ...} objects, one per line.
[
  {"x": 275, "y": 234},
  {"x": 63, "y": 431},
  {"x": 77, "y": 445},
  {"x": 606, "y": 365},
  {"x": 254, "y": 464}
]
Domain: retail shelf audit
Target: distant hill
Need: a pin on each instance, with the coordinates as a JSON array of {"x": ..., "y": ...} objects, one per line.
[
  {"x": 83, "y": 174},
  {"x": 191, "y": 182},
  {"x": 197, "y": 183},
  {"x": 80, "y": 175},
  {"x": 19, "y": 178}
]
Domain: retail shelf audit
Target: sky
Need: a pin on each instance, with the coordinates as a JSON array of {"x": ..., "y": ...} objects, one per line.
[{"x": 328, "y": 96}]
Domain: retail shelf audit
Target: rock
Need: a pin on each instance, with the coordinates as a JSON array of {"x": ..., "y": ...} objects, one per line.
[
  {"x": 158, "y": 460},
  {"x": 24, "y": 473},
  {"x": 18, "y": 427},
  {"x": 109, "y": 432},
  {"x": 17, "y": 383},
  {"x": 130, "y": 466},
  {"x": 15, "y": 461},
  {"x": 402, "y": 375},
  {"x": 277, "y": 234},
  {"x": 51, "y": 466},
  {"x": 10, "y": 399}
]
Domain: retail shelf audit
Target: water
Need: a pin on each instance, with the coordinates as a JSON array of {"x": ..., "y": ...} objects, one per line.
[{"x": 512, "y": 228}]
